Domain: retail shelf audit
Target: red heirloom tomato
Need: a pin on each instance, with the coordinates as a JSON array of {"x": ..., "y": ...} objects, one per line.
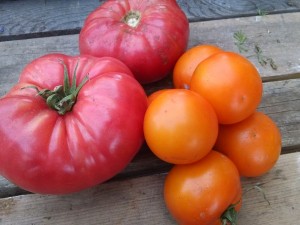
[
  {"x": 231, "y": 83},
  {"x": 148, "y": 36},
  {"x": 180, "y": 126},
  {"x": 254, "y": 144},
  {"x": 206, "y": 192},
  {"x": 70, "y": 143}
]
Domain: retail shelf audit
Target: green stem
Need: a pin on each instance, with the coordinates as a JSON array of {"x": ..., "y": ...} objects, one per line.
[
  {"x": 62, "y": 97},
  {"x": 230, "y": 215}
]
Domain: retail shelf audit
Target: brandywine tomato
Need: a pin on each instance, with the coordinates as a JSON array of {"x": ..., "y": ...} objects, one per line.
[
  {"x": 200, "y": 193},
  {"x": 148, "y": 36},
  {"x": 180, "y": 126},
  {"x": 80, "y": 145}
]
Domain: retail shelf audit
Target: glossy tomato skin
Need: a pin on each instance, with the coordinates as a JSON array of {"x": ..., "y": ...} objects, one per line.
[
  {"x": 180, "y": 126},
  {"x": 199, "y": 193},
  {"x": 44, "y": 152},
  {"x": 150, "y": 48},
  {"x": 155, "y": 94},
  {"x": 254, "y": 144},
  {"x": 231, "y": 83},
  {"x": 187, "y": 63}
]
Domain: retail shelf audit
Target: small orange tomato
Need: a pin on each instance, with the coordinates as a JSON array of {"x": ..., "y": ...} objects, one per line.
[
  {"x": 254, "y": 144},
  {"x": 230, "y": 83},
  {"x": 153, "y": 95},
  {"x": 180, "y": 126},
  {"x": 199, "y": 193},
  {"x": 187, "y": 63}
]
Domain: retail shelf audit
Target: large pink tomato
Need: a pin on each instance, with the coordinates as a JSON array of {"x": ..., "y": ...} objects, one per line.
[
  {"x": 148, "y": 36},
  {"x": 57, "y": 137}
]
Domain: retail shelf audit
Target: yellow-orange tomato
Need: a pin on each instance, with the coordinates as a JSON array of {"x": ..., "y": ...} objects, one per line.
[
  {"x": 254, "y": 144},
  {"x": 231, "y": 83},
  {"x": 180, "y": 126},
  {"x": 153, "y": 95},
  {"x": 187, "y": 63},
  {"x": 199, "y": 193}
]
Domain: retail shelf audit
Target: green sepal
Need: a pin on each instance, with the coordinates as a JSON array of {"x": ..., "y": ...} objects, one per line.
[{"x": 62, "y": 97}]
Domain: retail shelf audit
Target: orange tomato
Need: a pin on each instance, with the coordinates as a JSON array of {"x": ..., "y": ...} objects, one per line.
[
  {"x": 199, "y": 193},
  {"x": 254, "y": 144},
  {"x": 180, "y": 126},
  {"x": 153, "y": 95},
  {"x": 187, "y": 63},
  {"x": 230, "y": 83}
]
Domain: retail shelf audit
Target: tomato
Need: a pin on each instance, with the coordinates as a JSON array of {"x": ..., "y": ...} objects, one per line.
[
  {"x": 201, "y": 192},
  {"x": 62, "y": 148},
  {"x": 155, "y": 94},
  {"x": 180, "y": 126},
  {"x": 142, "y": 34},
  {"x": 230, "y": 83},
  {"x": 187, "y": 63},
  {"x": 253, "y": 144}
]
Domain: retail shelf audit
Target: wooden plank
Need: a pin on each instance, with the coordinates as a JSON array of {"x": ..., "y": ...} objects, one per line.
[
  {"x": 281, "y": 101},
  {"x": 140, "y": 200},
  {"x": 281, "y": 98},
  {"x": 36, "y": 18},
  {"x": 276, "y": 36},
  {"x": 217, "y": 9},
  {"x": 281, "y": 187}
]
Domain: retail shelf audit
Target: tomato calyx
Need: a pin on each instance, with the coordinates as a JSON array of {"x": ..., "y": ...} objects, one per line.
[
  {"x": 230, "y": 215},
  {"x": 132, "y": 18},
  {"x": 62, "y": 97}
]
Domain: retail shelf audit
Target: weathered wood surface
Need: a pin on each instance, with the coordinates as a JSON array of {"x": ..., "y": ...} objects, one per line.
[
  {"x": 281, "y": 97},
  {"x": 140, "y": 201},
  {"x": 35, "y": 18}
]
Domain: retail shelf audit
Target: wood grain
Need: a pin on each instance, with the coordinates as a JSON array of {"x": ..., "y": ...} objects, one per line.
[
  {"x": 276, "y": 35},
  {"x": 39, "y": 18},
  {"x": 140, "y": 201},
  {"x": 218, "y": 9},
  {"x": 281, "y": 101}
]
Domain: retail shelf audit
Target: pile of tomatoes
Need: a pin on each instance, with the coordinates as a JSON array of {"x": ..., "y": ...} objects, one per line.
[
  {"x": 72, "y": 122},
  {"x": 209, "y": 127}
]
